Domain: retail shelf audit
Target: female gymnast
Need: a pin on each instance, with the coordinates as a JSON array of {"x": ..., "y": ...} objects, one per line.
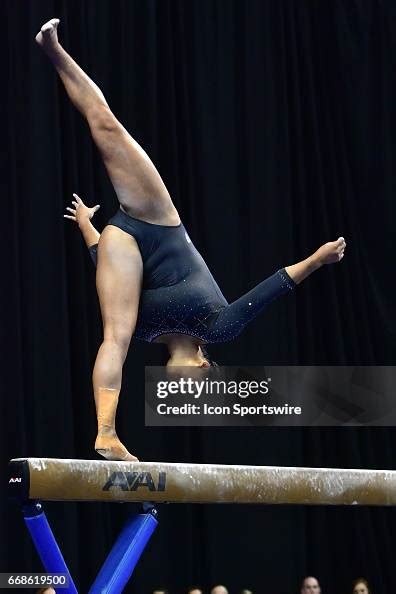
[{"x": 151, "y": 281}]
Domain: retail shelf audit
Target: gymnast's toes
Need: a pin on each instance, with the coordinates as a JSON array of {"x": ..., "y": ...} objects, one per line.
[{"x": 48, "y": 34}]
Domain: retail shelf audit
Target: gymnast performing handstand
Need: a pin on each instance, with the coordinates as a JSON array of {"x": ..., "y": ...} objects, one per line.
[{"x": 151, "y": 281}]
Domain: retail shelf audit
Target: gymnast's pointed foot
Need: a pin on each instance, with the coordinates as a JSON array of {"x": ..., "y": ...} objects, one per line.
[
  {"x": 109, "y": 446},
  {"x": 331, "y": 252},
  {"x": 47, "y": 37},
  {"x": 328, "y": 253}
]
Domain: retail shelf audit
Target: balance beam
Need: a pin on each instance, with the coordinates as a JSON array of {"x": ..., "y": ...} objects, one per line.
[{"x": 51, "y": 479}]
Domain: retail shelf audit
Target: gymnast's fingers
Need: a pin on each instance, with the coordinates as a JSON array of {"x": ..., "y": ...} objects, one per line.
[
  {"x": 78, "y": 200},
  {"x": 69, "y": 217}
]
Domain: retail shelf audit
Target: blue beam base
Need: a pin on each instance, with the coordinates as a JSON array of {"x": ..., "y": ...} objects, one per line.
[
  {"x": 45, "y": 543},
  {"x": 126, "y": 551}
]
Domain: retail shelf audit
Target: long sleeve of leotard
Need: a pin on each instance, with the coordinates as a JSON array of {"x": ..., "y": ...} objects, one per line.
[{"x": 233, "y": 318}]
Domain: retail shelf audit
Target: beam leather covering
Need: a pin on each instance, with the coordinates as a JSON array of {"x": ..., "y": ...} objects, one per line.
[{"x": 54, "y": 479}]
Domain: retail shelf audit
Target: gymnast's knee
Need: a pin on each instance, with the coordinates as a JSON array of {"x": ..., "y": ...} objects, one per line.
[
  {"x": 118, "y": 340},
  {"x": 101, "y": 118}
]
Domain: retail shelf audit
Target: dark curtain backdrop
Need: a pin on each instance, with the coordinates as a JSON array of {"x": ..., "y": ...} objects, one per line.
[{"x": 272, "y": 123}]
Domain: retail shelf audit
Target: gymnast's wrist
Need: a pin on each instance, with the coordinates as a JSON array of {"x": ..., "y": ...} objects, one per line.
[{"x": 84, "y": 223}]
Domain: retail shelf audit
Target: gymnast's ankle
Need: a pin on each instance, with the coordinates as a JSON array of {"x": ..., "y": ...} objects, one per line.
[{"x": 106, "y": 430}]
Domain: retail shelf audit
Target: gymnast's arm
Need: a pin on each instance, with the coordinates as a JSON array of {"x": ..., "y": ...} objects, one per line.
[{"x": 82, "y": 215}]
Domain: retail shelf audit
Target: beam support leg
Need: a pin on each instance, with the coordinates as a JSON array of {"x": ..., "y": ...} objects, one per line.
[
  {"x": 126, "y": 551},
  {"x": 45, "y": 543}
]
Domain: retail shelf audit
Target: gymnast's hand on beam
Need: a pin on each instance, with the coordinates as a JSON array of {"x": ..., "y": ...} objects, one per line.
[{"x": 80, "y": 213}]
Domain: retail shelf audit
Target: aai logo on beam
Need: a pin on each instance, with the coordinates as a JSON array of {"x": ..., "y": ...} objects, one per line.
[{"x": 132, "y": 481}]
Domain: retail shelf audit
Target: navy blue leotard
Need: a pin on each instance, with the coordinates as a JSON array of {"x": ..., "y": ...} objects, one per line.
[{"x": 179, "y": 294}]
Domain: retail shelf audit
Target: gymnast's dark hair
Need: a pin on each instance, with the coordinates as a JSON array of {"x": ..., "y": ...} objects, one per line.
[{"x": 208, "y": 357}]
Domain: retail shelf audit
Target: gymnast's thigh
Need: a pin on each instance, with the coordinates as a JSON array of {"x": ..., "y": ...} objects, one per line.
[
  {"x": 139, "y": 187},
  {"x": 119, "y": 283}
]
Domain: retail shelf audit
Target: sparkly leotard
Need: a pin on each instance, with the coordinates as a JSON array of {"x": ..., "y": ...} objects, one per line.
[{"x": 179, "y": 294}]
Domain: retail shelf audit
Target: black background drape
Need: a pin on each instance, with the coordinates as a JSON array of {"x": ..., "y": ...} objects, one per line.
[{"x": 273, "y": 125}]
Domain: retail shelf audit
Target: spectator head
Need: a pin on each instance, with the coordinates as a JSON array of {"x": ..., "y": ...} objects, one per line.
[
  {"x": 160, "y": 591},
  {"x": 310, "y": 585},
  {"x": 360, "y": 586},
  {"x": 246, "y": 592},
  {"x": 219, "y": 590},
  {"x": 194, "y": 590}
]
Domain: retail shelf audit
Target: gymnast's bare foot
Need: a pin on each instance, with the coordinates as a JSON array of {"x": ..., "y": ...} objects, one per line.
[
  {"x": 330, "y": 252},
  {"x": 48, "y": 36},
  {"x": 109, "y": 446}
]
